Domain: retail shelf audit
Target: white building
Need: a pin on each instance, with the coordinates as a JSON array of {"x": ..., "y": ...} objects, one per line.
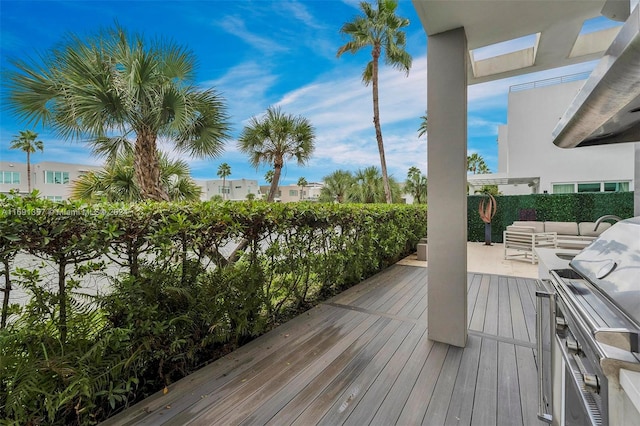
[
  {"x": 53, "y": 179},
  {"x": 528, "y": 161},
  {"x": 235, "y": 190},
  {"x": 293, "y": 193}
]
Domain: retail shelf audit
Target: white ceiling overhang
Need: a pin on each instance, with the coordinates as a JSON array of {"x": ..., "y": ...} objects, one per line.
[
  {"x": 501, "y": 179},
  {"x": 555, "y": 24}
]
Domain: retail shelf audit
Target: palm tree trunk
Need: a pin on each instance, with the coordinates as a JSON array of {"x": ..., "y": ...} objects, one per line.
[
  {"x": 277, "y": 170},
  {"x": 376, "y": 122},
  {"x": 7, "y": 293},
  {"x": 29, "y": 171},
  {"x": 62, "y": 303},
  {"x": 147, "y": 169},
  {"x": 224, "y": 181}
]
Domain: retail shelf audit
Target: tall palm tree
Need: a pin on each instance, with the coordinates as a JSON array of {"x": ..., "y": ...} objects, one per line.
[
  {"x": 113, "y": 87},
  {"x": 117, "y": 182},
  {"x": 302, "y": 183},
  {"x": 416, "y": 185},
  {"x": 422, "y": 130},
  {"x": 336, "y": 186},
  {"x": 26, "y": 141},
  {"x": 276, "y": 138},
  {"x": 476, "y": 164},
  {"x": 380, "y": 29},
  {"x": 224, "y": 170}
]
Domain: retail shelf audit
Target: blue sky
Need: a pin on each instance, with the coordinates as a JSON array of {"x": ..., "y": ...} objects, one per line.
[{"x": 262, "y": 53}]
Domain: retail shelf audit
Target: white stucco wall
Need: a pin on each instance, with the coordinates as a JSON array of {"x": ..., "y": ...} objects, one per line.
[
  {"x": 38, "y": 181},
  {"x": 532, "y": 115}
]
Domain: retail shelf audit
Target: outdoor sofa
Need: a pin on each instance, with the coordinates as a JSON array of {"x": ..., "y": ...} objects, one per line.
[{"x": 523, "y": 237}]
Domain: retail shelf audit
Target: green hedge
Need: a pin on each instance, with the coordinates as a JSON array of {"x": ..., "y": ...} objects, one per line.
[
  {"x": 582, "y": 207},
  {"x": 176, "y": 293}
]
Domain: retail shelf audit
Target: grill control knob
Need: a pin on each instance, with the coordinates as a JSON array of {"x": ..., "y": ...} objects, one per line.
[{"x": 591, "y": 383}]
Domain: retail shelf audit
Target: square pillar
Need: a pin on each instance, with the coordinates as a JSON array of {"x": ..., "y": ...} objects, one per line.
[
  {"x": 636, "y": 181},
  {"x": 447, "y": 177}
]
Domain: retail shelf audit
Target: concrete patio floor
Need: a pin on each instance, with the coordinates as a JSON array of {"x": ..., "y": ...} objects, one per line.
[{"x": 487, "y": 260}]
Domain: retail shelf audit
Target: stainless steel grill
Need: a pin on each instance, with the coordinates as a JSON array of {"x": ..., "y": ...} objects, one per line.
[{"x": 589, "y": 328}]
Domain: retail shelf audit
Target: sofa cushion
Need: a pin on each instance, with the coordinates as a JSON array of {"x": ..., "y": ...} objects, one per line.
[
  {"x": 562, "y": 228},
  {"x": 586, "y": 228},
  {"x": 537, "y": 226}
]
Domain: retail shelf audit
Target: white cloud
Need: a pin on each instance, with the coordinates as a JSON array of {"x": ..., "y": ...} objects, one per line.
[{"x": 244, "y": 88}]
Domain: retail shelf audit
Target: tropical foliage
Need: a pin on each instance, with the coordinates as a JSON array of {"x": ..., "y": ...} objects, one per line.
[
  {"x": 368, "y": 187},
  {"x": 416, "y": 185},
  {"x": 70, "y": 357},
  {"x": 302, "y": 183},
  {"x": 114, "y": 86},
  {"x": 422, "y": 130},
  {"x": 276, "y": 138},
  {"x": 380, "y": 29},
  {"x": 336, "y": 186},
  {"x": 224, "y": 170},
  {"x": 476, "y": 164},
  {"x": 117, "y": 182},
  {"x": 26, "y": 142}
]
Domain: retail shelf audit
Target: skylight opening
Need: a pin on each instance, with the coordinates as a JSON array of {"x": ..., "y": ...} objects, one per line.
[
  {"x": 504, "y": 47},
  {"x": 598, "y": 23}
]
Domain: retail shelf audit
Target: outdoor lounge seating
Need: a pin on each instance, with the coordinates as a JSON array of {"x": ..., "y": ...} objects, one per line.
[{"x": 523, "y": 237}]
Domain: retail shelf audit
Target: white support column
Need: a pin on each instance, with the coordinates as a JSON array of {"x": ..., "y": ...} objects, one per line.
[
  {"x": 447, "y": 176},
  {"x": 636, "y": 181}
]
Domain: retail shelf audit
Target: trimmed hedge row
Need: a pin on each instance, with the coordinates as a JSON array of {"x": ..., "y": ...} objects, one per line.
[
  {"x": 177, "y": 293},
  {"x": 579, "y": 207}
]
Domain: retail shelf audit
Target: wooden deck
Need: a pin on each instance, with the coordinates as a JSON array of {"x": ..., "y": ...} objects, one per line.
[{"x": 364, "y": 358}]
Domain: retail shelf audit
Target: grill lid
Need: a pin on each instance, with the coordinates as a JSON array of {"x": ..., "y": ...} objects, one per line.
[{"x": 612, "y": 264}]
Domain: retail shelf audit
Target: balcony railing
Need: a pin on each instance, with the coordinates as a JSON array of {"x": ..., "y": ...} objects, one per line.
[{"x": 549, "y": 81}]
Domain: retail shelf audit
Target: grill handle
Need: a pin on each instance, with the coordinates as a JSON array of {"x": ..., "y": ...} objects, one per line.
[{"x": 542, "y": 296}]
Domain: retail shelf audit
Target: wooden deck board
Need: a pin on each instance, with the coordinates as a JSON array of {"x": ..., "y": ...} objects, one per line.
[{"x": 364, "y": 357}]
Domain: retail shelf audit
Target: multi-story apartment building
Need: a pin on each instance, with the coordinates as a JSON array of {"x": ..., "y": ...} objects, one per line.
[
  {"x": 529, "y": 162},
  {"x": 235, "y": 190},
  {"x": 53, "y": 179},
  {"x": 293, "y": 193}
]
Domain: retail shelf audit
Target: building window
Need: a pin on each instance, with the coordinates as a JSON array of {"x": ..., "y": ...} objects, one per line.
[
  {"x": 293, "y": 192},
  {"x": 56, "y": 198},
  {"x": 616, "y": 187},
  {"x": 564, "y": 188},
  {"x": 9, "y": 177},
  {"x": 224, "y": 190},
  {"x": 570, "y": 188},
  {"x": 58, "y": 178},
  {"x": 589, "y": 187}
]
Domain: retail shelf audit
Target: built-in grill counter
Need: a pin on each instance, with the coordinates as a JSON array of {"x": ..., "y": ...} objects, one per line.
[{"x": 588, "y": 336}]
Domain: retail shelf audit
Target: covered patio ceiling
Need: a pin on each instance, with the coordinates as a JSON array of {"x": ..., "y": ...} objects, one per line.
[{"x": 555, "y": 24}]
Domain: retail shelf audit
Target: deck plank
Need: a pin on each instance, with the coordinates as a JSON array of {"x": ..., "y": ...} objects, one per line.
[
  {"x": 416, "y": 405},
  {"x": 378, "y": 391},
  {"x": 509, "y": 408},
  {"x": 505, "y": 322},
  {"x": 491, "y": 319},
  {"x": 485, "y": 403},
  {"x": 342, "y": 382},
  {"x": 391, "y": 407},
  {"x": 345, "y": 404},
  {"x": 480, "y": 307},
  {"x": 241, "y": 397},
  {"x": 461, "y": 406},
  {"x": 439, "y": 404},
  {"x": 518, "y": 320}
]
